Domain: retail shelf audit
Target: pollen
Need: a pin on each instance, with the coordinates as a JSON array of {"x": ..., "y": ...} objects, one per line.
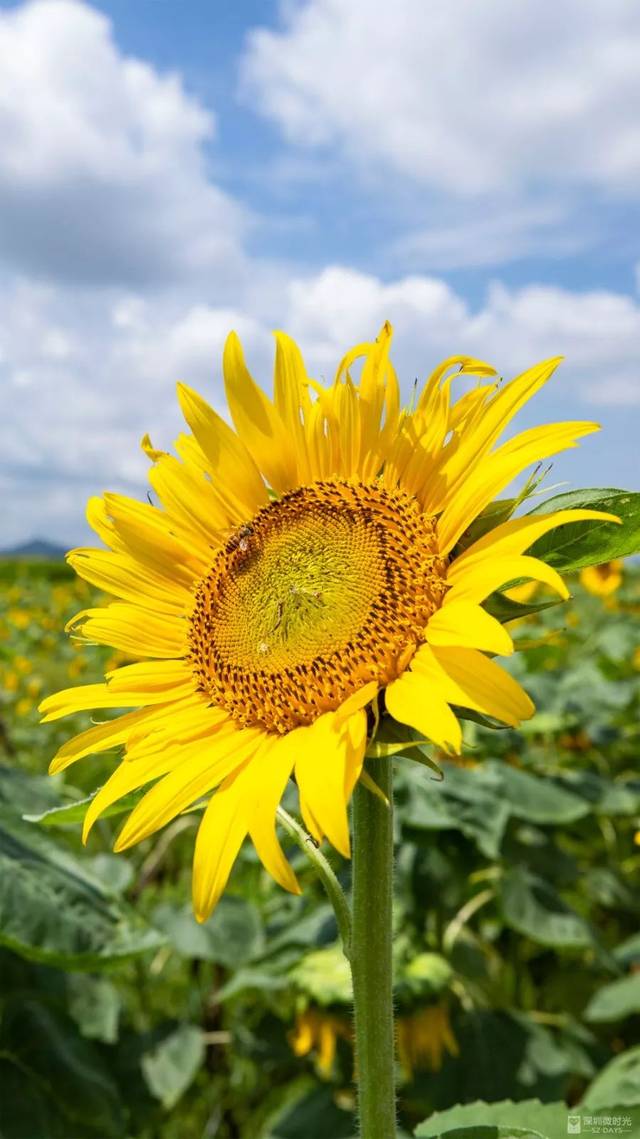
[{"x": 327, "y": 588}]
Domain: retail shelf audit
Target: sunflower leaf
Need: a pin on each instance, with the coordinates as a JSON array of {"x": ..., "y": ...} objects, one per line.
[
  {"x": 52, "y": 910},
  {"x": 580, "y": 544},
  {"x": 497, "y": 1121},
  {"x": 70, "y": 814}
]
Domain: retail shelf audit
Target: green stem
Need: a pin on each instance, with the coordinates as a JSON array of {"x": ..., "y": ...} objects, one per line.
[
  {"x": 371, "y": 962},
  {"x": 324, "y": 871}
]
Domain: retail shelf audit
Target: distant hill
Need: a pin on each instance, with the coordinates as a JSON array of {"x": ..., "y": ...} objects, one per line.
[{"x": 36, "y": 548}]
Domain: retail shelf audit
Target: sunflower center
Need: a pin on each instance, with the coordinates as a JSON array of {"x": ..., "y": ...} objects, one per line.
[{"x": 326, "y": 589}]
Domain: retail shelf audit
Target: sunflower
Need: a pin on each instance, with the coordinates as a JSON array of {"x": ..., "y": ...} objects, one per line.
[
  {"x": 423, "y": 1038},
  {"x": 301, "y": 566},
  {"x": 319, "y": 1031},
  {"x": 604, "y": 579}
]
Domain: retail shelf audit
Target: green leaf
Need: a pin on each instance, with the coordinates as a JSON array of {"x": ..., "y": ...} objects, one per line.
[
  {"x": 504, "y": 609},
  {"x": 252, "y": 981},
  {"x": 606, "y": 796},
  {"x": 614, "y": 1001},
  {"x": 314, "y": 1116},
  {"x": 532, "y": 907},
  {"x": 53, "y": 911},
  {"x": 325, "y": 976},
  {"x": 173, "y": 1064},
  {"x": 48, "y": 1049},
  {"x": 497, "y": 1121},
  {"x": 94, "y": 1004},
  {"x": 618, "y": 1083},
  {"x": 581, "y": 544},
  {"x": 20, "y": 791},
  {"x": 470, "y": 801},
  {"x": 230, "y": 937},
  {"x": 72, "y": 814},
  {"x": 539, "y": 800},
  {"x": 628, "y": 952}
]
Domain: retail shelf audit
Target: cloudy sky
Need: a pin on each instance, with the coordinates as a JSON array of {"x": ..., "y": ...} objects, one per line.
[{"x": 168, "y": 171}]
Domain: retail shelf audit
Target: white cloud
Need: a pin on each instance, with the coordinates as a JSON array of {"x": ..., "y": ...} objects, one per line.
[
  {"x": 465, "y": 97},
  {"x": 102, "y": 168},
  {"x": 85, "y": 380},
  {"x": 467, "y": 235}
]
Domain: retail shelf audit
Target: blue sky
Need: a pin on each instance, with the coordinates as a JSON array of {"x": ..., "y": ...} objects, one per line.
[{"x": 169, "y": 171}]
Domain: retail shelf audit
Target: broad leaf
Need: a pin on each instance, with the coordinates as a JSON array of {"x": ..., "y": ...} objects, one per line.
[
  {"x": 618, "y": 1084},
  {"x": 539, "y": 800},
  {"x": 173, "y": 1064},
  {"x": 315, "y": 1116},
  {"x": 50, "y": 1054},
  {"x": 614, "y": 1001},
  {"x": 470, "y": 801},
  {"x": 94, "y": 1004},
  {"x": 52, "y": 910},
  {"x": 72, "y": 814},
  {"x": 581, "y": 544},
  {"x": 532, "y": 907},
  {"x": 231, "y": 936},
  {"x": 497, "y": 1121}
]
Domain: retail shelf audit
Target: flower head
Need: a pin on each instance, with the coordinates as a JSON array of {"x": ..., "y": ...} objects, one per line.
[
  {"x": 604, "y": 579},
  {"x": 299, "y": 566},
  {"x": 423, "y": 1039}
]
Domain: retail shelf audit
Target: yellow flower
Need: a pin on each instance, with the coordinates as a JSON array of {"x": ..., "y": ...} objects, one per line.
[
  {"x": 21, "y": 618},
  {"x": 76, "y": 666},
  {"x": 604, "y": 579},
  {"x": 11, "y": 682},
  {"x": 22, "y": 665},
  {"x": 423, "y": 1039},
  {"x": 319, "y": 1031},
  {"x": 24, "y": 706},
  {"x": 297, "y": 567}
]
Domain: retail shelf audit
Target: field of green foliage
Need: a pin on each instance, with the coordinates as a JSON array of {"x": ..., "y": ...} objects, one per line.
[{"x": 516, "y": 918}]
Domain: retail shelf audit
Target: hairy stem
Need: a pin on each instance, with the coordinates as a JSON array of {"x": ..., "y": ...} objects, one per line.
[
  {"x": 371, "y": 961},
  {"x": 324, "y": 872}
]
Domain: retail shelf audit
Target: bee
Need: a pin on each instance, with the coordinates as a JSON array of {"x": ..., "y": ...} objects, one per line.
[{"x": 241, "y": 540}]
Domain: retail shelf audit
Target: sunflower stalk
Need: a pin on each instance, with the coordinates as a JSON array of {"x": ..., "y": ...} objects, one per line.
[{"x": 371, "y": 958}]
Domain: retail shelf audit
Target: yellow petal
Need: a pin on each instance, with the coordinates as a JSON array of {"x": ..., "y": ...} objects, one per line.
[
  {"x": 153, "y": 537},
  {"x": 463, "y": 623},
  {"x": 128, "y": 777},
  {"x": 100, "y": 738},
  {"x": 223, "y": 829},
  {"x": 518, "y": 534},
  {"x": 193, "y": 501},
  {"x": 133, "y": 630},
  {"x": 475, "y": 580},
  {"x": 197, "y": 770},
  {"x": 413, "y": 699},
  {"x": 122, "y": 576},
  {"x": 467, "y": 678},
  {"x": 292, "y": 399},
  {"x": 234, "y": 473},
  {"x": 483, "y": 480},
  {"x": 270, "y": 776},
  {"x": 131, "y": 686},
  {"x": 466, "y": 450},
  {"x": 257, "y": 421},
  {"x": 328, "y": 759}
]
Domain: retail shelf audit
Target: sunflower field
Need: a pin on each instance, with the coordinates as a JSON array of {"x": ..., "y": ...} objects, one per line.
[{"x": 517, "y": 956}]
